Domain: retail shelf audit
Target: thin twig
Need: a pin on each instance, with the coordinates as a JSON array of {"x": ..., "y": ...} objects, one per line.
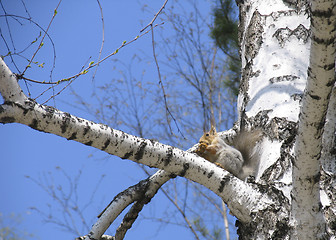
[
  {"x": 91, "y": 65},
  {"x": 24, "y": 5},
  {"x": 45, "y": 33},
  {"x": 9, "y": 52},
  {"x": 59, "y": 92},
  {"x": 103, "y": 38},
  {"x": 156, "y": 15},
  {"x": 163, "y": 90},
  {"x": 42, "y": 29},
  {"x": 226, "y": 222},
  {"x": 9, "y": 30},
  {"x": 211, "y": 89}
]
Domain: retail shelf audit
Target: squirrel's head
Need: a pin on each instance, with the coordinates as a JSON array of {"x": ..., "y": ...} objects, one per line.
[{"x": 208, "y": 137}]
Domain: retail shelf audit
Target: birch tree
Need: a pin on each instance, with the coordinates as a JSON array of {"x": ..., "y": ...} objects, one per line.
[{"x": 287, "y": 89}]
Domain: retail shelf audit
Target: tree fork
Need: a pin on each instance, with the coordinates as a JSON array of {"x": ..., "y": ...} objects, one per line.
[{"x": 243, "y": 199}]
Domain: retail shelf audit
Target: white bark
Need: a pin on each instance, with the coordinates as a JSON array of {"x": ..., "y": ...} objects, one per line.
[
  {"x": 126, "y": 146},
  {"x": 329, "y": 136},
  {"x": 144, "y": 190},
  {"x": 276, "y": 54},
  {"x": 242, "y": 198},
  {"x": 308, "y": 218},
  {"x": 9, "y": 87},
  {"x": 275, "y": 48}
]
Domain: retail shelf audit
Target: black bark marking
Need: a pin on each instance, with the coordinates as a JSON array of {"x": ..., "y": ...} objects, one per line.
[
  {"x": 34, "y": 124},
  {"x": 13, "y": 104},
  {"x": 139, "y": 154},
  {"x": 281, "y": 230},
  {"x": 73, "y": 136},
  {"x": 314, "y": 179},
  {"x": 7, "y": 120},
  {"x": 2, "y": 108},
  {"x": 210, "y": 173},
  {"x": 172, "y": 175},
  {"x": 50, "y": 111},
  {"x": 9, "y": 103},
  {"x": 31, "y": 104},
  {"x": 107, "y": 142},
  {"x": 127, "y": 155},
  {"x": 283, "y": 78},
  {"x": 86, "y": 129},
  {"x": 25, "y": 110},
  {"x": 223, "y": 182},
  {"x": 184, "y": 170},
  {"x": 323, "y": 41},
  {"x": 283, "y": 34},
  {"x": 167, "y": 159},
  {"x": 315, "y": 97},
  {"x": 297, "y": 96},
  {"x": 329, "y": 67},
  {"x": 66, "y": 120},
  {"x": 79, "y": 120},
  {"x": 291, "y": 3},
  {"x": 89, "y": 143},
  {"x": 254, "y": 35},
  {"x": 293, "y": 196}
]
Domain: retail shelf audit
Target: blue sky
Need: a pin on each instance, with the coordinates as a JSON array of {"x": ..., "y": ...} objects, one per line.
[{"x": 76, "y": 33}]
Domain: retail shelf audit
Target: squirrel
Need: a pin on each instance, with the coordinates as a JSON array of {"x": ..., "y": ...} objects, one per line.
[{"x": 241, "y": 159}]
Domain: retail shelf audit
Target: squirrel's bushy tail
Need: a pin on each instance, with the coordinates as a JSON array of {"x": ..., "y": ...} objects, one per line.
[{"x": 247, "y": 143}]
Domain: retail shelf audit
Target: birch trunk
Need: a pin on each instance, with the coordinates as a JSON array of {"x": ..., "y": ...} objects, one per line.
[{"x": 280, "y": 43}]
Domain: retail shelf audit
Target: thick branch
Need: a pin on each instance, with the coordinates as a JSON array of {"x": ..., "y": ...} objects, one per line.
[
  {"x": 9, "y": 87},
  {"x": 241, "y": 197},
  {"x": 144, "y": 191},
  {"x": 306, "y": 210},
  {"x": 153, "y": 154}
]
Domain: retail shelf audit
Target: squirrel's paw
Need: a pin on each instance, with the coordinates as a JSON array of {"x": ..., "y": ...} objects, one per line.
[{"x": 201, "y": 148}]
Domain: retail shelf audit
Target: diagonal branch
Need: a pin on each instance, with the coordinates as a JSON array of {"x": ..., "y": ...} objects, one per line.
[
  {"x": 140, "y": 193},
  {"x": 156, "y": 15},
  {"x": 155, "y": 183},
  {"x": 242, "y": 198},
  {"x": 41, "y": 42}
]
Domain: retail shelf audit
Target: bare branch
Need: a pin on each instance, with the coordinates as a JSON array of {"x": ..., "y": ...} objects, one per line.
[
  {"x": 41, "y": 42},
  {"x": 16, "y": 17},
  {"x": 156, "y": 15},
  {"x": 103, "y": 38},
  {"x": 140, "y": 193},
  {"x": 9, "y": 87},
  {"x": 163, "y": 90},
  {"x": 126, "y": 146},
  {"x": 226, "y": 222},
  {"x": 91, "y": 64}
]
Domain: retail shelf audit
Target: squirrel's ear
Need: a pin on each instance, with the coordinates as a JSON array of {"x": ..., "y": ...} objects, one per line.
[{"x": 213, "y": 130}]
